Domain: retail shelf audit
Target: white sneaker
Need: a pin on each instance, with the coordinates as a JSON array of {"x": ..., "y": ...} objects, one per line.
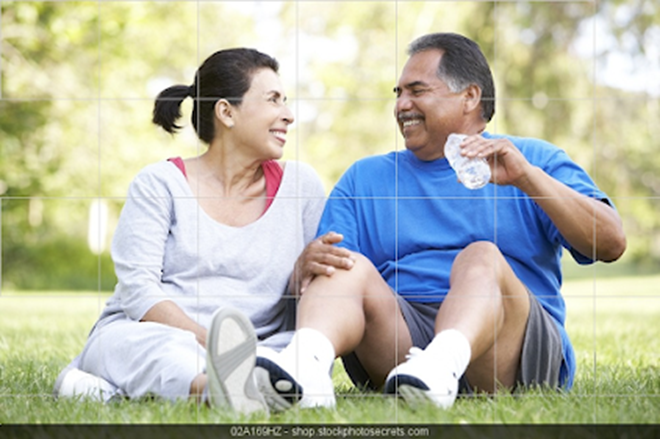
[
  {"x": 419, "y": 380},
  {"x": 284, "y": 381},
  {"x": 230, "y": 358},
  {"x": 74, "y": 383}
]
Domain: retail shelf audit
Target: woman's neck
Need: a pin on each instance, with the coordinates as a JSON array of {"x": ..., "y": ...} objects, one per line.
[{"x": 232, "y": 173}]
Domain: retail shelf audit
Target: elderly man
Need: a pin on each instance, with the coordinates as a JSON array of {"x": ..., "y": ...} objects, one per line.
[{"x": 452, "y": 290}]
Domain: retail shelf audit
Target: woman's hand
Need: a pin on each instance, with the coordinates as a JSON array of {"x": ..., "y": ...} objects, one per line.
[
  {"x": 169, "y": 313},
  {"x": 320, "y": 257}
]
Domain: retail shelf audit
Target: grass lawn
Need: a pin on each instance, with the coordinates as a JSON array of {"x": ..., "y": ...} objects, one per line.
[{"x": 614, "y": 324}]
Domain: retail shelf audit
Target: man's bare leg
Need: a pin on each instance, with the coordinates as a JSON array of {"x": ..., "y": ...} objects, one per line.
[
  {"x": 480, "y": 327},
  {"x": 489, "y": 305},
  {"x": 352, "y": 310}
]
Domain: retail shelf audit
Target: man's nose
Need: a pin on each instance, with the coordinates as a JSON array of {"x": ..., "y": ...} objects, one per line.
[{"x": 403, "y": 103}]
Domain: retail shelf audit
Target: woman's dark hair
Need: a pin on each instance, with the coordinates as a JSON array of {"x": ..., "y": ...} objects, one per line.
[
  {"x": 461, "y": 64},
  {"x": 227, "y": 74}
]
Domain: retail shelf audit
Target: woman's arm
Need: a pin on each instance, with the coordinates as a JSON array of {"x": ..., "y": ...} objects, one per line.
[
  {"x": 138, "y": 251},
  {"x": 168, "y": 313}
]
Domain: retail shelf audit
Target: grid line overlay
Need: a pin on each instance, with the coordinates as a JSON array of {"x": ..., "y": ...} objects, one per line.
[
  {"x": 103, "y": 195},
  {"x": 99, "y": 144},
  {"x": 594, "y": 168}
]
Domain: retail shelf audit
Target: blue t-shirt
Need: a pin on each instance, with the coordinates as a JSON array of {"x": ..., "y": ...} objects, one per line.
[{"x": 411, "y": 218}]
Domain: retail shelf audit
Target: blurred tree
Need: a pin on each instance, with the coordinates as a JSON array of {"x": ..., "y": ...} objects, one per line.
[
  {"x": 78, "y": 83},
  {"x": 38, "y": 147},
  {"x": 62, "y": 126},
  {"x": 347, "y": 70},
  {"x": 555, "y": 90},
  {"x": 79, "y": 78}
]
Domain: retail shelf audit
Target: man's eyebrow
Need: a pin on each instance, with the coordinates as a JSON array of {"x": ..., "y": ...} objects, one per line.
[
  {"x": 413, "y": 84},
  {"x": 416, "y": 84}
]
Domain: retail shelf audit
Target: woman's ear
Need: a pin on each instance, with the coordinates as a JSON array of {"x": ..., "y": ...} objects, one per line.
[
  {"x": 224, "y": 112},
  {"x": 472, "y": 99}
]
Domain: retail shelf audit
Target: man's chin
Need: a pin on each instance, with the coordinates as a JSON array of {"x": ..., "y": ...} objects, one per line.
[{"x": 412, "y": 147}]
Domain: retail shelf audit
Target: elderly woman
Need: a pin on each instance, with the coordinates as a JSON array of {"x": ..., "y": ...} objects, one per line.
[{"x": 211, "y": 251}]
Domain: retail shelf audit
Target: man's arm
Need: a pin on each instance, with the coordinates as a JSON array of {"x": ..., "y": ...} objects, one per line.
[{"x": 590, "y": 226}]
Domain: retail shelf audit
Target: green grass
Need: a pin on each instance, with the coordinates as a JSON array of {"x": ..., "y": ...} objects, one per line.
[{"x": 614, "y": 324}]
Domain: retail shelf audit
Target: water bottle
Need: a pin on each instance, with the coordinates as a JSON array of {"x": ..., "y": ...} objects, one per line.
[{"x": 473, "y": 173}]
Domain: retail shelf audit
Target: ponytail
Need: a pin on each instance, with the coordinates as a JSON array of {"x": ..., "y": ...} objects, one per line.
[
  {"x": 227, "y": 74},
  {"x": 167, "y": 109}
]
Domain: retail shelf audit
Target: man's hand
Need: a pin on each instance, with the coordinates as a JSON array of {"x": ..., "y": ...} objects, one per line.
[
  {"x": 508, "y": 165},
  {"x": 320, "y": 257}
]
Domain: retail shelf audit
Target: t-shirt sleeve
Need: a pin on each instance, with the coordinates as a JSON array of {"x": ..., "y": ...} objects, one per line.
[
  {"x": 138, "y": 246},
  {"x": 562, "y": 168},
  {"x": 340, "y": 214}
]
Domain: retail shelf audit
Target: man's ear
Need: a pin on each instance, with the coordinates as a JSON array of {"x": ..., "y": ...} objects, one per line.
[
  {"x": 472, "y": 101},
  {"x": 224, "y": 112}
]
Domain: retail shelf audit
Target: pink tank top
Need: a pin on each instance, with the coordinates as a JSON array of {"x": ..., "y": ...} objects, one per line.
[{"x": 272, "y": 172}]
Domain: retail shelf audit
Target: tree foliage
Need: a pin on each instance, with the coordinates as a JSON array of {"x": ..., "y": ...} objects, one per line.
[{"x": 79, "y": 78}]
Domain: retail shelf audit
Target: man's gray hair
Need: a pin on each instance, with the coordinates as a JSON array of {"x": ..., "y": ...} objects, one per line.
[{"x": 462, "y": 64}]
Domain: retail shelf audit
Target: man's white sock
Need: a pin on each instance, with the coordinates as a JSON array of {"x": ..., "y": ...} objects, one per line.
[
  {"x": 452, "y": 348},
  {"x": 308, "y": 344}
]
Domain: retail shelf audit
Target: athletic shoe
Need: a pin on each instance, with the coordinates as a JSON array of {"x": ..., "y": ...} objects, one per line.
[
  {"x": 231, "y": 351},
  {"x": 419, "y": 380},
  {"x": 74, "y": 383},
  {"x": 284, "y": 381}
]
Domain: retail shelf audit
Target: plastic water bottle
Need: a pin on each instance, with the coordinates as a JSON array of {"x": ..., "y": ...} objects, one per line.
[{"x": 473, "y": 173}]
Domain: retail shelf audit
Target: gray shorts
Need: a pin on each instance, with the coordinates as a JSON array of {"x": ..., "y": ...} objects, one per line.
[{"x": 540, "y": 361}]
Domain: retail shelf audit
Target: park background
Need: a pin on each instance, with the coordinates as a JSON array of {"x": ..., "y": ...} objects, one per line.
[{"x": 77, "y": 83}]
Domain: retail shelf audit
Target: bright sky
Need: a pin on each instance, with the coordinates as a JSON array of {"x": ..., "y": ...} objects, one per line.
[{"x": 622, "y": 65}]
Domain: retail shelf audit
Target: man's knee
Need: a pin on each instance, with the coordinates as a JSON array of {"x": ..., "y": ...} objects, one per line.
[
  {"x": 377, "y": 296},
  {"x": 477, "y": 257},
  {"x": 350, "y": 282},
  {"x": 483, "y": 261},
  {"x": 363, "y": 270},
  {"x": 485, "y": 250}
]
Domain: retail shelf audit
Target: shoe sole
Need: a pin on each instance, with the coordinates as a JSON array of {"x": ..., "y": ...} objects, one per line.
[
  {"x": 413, "y": 391},
  {"x": 279, "y": 388},
  {"x": 414, "y": 396},
  {"x": 231, "y": 355}
]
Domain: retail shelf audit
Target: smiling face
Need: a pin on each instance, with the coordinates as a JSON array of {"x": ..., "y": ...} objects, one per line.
[
  {"x": 426, "y": 110},
  {"x": 262, "y": 119}
]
